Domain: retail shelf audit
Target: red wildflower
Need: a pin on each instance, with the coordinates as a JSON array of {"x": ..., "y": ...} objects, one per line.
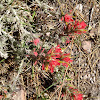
[
  {"x": 62, "y": 95},
  {"x": 54, "y": 63},
  {"x": 80, "y": 25},
  {"x": 73, "y": 26},
  {"x": 76, "y": 95},
  {"x": 42, "y": 50},
  {"x": 79, "y": 96},
  {"x": 55, "y": 58},
  {"x": 35, "y": 63},
  {"x": 36, "y": 41},
  {"x": 62, "y": 18},
  {"x": 50, "y": 51},
  {"x": 70, "y": 11},
  {"x": 43, "y": 67},
  {"x": 67, "y": 41},
  {"x": 51, "y": 69},
  {"x": 1, "y": 96},
  {"x": 35, "y": 53},
  {"x": 67, "y": 59},
  {"x": 68, "y": 18},
  {"x": 57, "y": 49},
  {"x": 65, "y": 64},
  {"x": 68, "y": 54},
  {"x": 5, "y": 91},
  {"x": 76, "y": 24},
  {"x": 70, "y": 26}
]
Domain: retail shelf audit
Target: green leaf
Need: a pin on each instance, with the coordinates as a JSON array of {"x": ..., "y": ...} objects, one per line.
[
  {"x": 68, "y": 79},
  {"x": 33, "y": 14},
  {"x": 60, "y": 61},
  {"x": 27, "y": 24},
  {"x": 2, "y": 60}
]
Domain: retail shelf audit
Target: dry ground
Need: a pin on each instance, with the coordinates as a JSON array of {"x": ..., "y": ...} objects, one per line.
[{"x": 23, "y": 20}]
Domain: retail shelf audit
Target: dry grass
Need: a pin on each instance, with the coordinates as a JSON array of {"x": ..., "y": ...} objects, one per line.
[{"x": 21, "y": 21}]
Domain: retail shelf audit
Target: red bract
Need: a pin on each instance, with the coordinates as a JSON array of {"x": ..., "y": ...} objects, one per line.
[
  {"x": 68, "y": 18},
  {"x": 36, "y": 41},
  {"x": 65, "y": 64},
  {"x": 57, "y": 49},
  {"x": 82, "y": 25},
  {"x": 50, "y": 51},
  {"x": 67, "y": 59},
  {"x": 35, "y": 53},
  {"x": 78, "y": 32},
  {"x": 66, "y": 55},
  {"x": 54, "y": 63},
  {"x": 67, "y": 41},
  {"x": 43, "y": 68},
  {"x": 77, "y": 97},
  {"x": 51, "y": 69},
  {"x": 1, "y": 96},
  {"x": 55, "y": 57},
  {"x": 62, "y": 18},
  {"x": 73, "y": 26},
  {"x": 76, "y": 24},
  {"x": 35, "y": 63}
]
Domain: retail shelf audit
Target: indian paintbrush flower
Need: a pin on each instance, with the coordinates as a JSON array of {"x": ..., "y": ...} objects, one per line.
[{"x": 55, "y": 57}]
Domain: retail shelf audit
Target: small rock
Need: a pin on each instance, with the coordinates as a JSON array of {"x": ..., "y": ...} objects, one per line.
[
  {"x": 79, "y": 7},
  {"x": 20, "y": 95},
  {"x": 86, "y": 45}
]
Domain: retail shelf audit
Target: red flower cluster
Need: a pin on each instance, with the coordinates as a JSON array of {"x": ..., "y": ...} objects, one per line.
[
  {"x": 1, "y": 97},
  {"x": 73, "y": 26},
  {"x": 80, "y": 25},
  {"x": 67, "y": 18},
  {"x": 55, "y": 57},
  {"x": 36, "y": 41},
  {"x": 76, "y": 95}
]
